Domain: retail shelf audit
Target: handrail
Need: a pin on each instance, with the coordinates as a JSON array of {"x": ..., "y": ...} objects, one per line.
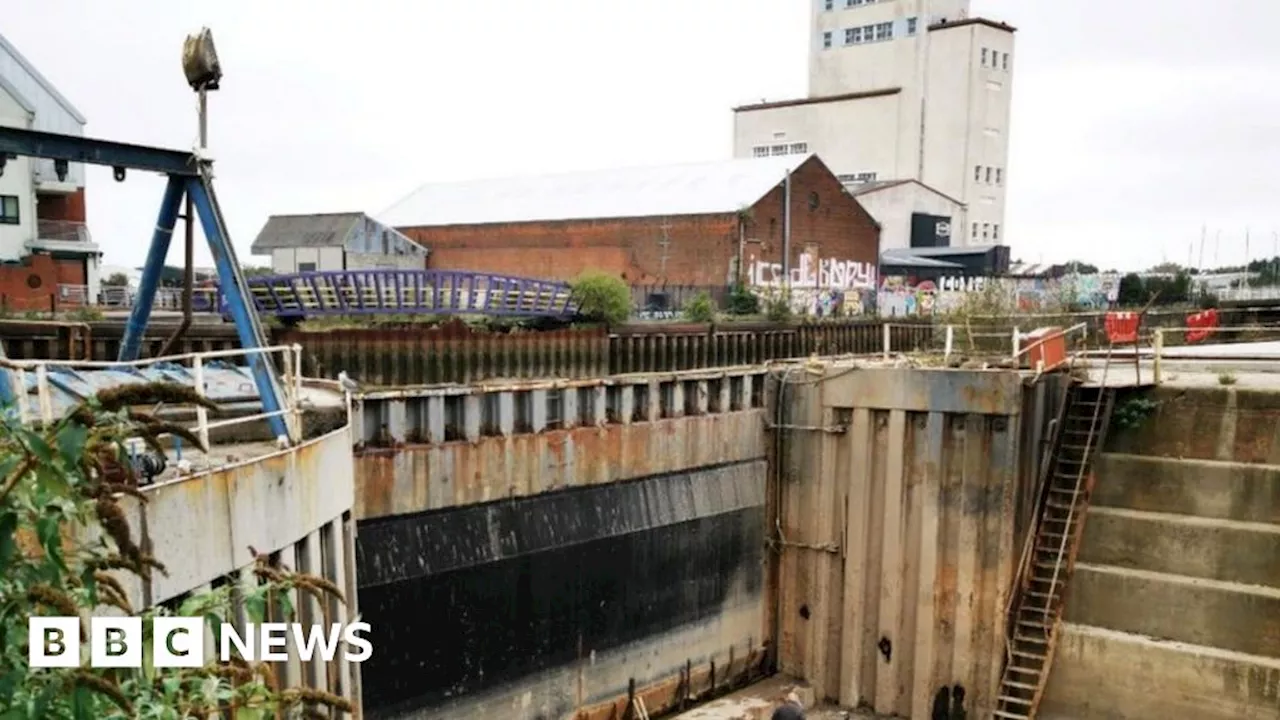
[
  {"x": 1042, "y": 484},
  {"x": 1075, "y": 492},
  {"x": 291, "y": 385}
]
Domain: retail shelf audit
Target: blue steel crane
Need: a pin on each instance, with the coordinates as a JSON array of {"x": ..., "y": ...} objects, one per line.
[{"x": 190, "y": 176}]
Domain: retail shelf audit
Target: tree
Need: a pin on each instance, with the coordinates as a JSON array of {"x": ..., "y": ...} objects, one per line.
[
  {"x": 116, "y": 280},
  {"x": 64, "y": 538},
  {"x": 256, "y": 271},
  {"x": 602, "y": 297}
]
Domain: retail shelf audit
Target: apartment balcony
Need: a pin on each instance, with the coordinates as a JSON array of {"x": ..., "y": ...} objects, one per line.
[{"x": 68, "y": 236}]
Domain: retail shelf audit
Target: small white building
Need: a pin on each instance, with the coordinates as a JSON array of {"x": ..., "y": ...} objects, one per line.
[
  {"x": 908, "y": 89},
  {"x": 45, "y": 246},
  {"x": 335, "y": 241},
  {"x": 911, "y": 214}
]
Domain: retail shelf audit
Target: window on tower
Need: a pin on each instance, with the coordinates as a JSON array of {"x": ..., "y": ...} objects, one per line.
[
  {"x": 999, "y": 176},
  {"x": 988, "y": 175},
  {"x": 977, "y": 173},
  {"x": 760, "y": 151},
  {"x": 1005, "y": 60},
  {"x": 826, "y": 40},
  {"x": 995, "y": 231},
  {"x": 828, "y": 4},
  {"x": 984, "y": 57},
  {"x": 911, "y": 25},
  {"x": 852, "y": 36}
]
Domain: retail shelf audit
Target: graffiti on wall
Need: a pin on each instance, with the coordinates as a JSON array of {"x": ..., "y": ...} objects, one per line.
[
  {"x": 823, "y": 287},
  {"x": 901, "y": 296}
]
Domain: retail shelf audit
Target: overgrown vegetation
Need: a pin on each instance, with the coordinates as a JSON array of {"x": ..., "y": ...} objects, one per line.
[
  {"x": 701, "y": 308},
  {"x": 742, "y": 301},
  {"x": 1133, "y": 412},
  {"x": 65, "y": 540},
  {"x": 1226, "y": 378},
  {"x": 602, "y": 297}
]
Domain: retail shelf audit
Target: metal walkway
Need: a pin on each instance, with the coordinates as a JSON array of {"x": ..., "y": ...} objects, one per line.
[{"x": 394, "y": 292}]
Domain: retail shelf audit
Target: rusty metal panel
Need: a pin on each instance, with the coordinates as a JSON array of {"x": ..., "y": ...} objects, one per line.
[
  {"x": 898, "y": 520},
  {"x": 418, "y": 477},
  {"x": 202, "y": 526}
]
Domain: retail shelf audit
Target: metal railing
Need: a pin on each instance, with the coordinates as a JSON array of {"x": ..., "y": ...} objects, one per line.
[
  {"x": 63, "y": 231},
  {"x": 290, "y": 356}
]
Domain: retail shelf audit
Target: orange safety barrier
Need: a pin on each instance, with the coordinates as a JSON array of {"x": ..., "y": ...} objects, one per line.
[
  {"x": 1047, "y": 345},
  {"x": 1203, "y": 324},
  {"x": 1122, "y": 327}
]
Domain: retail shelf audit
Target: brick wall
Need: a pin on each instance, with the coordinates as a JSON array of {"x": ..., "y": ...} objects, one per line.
[
  {"x": 699, "y": 250},
  {"x": 838, "y": 227},
  {"x": 52, "y": 206},
  {"x": 30, "y": 285}
]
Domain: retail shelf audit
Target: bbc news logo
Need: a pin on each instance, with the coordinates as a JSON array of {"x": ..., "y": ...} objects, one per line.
[{"x": 179, "y": 642}]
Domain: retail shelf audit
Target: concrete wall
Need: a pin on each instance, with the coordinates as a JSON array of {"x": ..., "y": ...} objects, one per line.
[
  {"x": 898, "y": 511},
  {"x": 294, "y": 505},
  {"x": 1173, "y": 606},
  {"x": 584, "y": 537},
  {"x": 286, "y": 260}
]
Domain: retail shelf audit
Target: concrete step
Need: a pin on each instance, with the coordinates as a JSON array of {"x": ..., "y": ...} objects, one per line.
[
  {"x": 1101, "y": 673},
  {"x": 1202, "y": 423},
  {"x": 1242, "y": 552},
  {"x": 1214, "y": 489},
  {"x": 1214, "y": 613}
]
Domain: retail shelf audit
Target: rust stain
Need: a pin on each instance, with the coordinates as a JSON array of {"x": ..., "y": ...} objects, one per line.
[{"x": 463, "y": 472}]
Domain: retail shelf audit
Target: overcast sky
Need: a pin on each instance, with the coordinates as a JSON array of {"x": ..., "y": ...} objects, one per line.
[{"x": 1135, "y": 122}]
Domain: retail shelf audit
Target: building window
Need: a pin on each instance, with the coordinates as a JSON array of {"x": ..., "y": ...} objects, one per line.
[
  {"x": 1005, "y": 60},
  {"x": 779, "y": 149},
  {"x": 995, "y": 231},
  {"x": 977, "y": 173},
  {"x": 799, "y": 148},
  {"x": 852, "y": 36},
  {"x": 999, "y": 176},
  {"x": 306, "y": 267},
  {"x": 975, "y": 231},
  {"x": 884, "y": 31},
  {"x": 911, "y": 25},
  {"x": 826, "y": 39},
  {"x": 760, "y": 151},
  {"x": 986, "y": 230},
  {"x": 828, "y": 5},
  {"x": 864, "y": 177},
  {"x": 988, "y": 175},
  {"x": 9, "y": 210},
  {"x": 984, "y": 57}
]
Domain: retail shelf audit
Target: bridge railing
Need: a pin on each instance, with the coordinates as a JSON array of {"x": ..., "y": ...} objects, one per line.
[{"x": 45, "y": 390}]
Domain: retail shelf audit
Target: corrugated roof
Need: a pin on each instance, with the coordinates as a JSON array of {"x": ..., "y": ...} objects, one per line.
[
  {"x": 321, "y": 230},
  {"x": 687, "y": 189},
  {"x": 26, "y": 65}
]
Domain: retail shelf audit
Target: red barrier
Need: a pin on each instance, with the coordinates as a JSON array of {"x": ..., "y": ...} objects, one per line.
[
  {"x": 1122, "y": 327},
  {"x": 1203, "y": 324}
]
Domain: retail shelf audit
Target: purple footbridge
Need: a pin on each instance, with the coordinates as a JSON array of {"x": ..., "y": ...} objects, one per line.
[{"x": 394, "y": 292}]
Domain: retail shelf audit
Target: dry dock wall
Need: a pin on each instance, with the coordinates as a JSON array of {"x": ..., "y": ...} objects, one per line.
[
  {"x": 537, "y": 550},
  {"x": 1174, "y": 606},
  {"x": 899, "y": 498}
]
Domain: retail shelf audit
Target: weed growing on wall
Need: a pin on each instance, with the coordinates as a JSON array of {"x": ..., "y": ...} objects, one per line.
[
  {"x": 1133, "y": 412},
  {"x": 67, "y": 548}
]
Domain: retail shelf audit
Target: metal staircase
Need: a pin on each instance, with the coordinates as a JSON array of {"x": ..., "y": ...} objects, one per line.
[{"x": 1039, "y": 593}]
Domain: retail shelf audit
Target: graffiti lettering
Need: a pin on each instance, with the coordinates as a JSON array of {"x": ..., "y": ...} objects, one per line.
[{"x": 814, "y": 274}]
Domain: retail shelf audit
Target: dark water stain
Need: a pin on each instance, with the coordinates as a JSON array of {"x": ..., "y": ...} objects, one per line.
[{"x": 474, "y": 628}]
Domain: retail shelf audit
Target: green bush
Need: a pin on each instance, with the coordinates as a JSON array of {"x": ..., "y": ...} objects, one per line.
[
  {"x": 65, "y": 539},
  {"x": 700, "y": 309},
  {"x": 602, "y": 297},
  {"x": 742, "y": 301},
  {"x": 778, "y": 308}
]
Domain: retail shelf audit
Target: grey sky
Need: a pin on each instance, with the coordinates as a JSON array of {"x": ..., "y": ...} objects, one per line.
[{"x": 1134, "y": 123}]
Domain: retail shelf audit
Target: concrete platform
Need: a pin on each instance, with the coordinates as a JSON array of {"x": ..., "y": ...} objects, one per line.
[
  {"x": 758, "y": 702},
  {"x": 1231, "y": 616},
  {"x": 1106, "y": 674}
]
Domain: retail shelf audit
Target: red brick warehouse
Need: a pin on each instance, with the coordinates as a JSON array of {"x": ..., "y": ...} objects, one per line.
[{"x": 680, "y": 225}]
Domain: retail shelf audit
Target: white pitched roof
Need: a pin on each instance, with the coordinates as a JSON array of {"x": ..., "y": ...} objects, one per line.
[
  {"x": 690, "y": 189},
  {"x": 37, "y": 79}
]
